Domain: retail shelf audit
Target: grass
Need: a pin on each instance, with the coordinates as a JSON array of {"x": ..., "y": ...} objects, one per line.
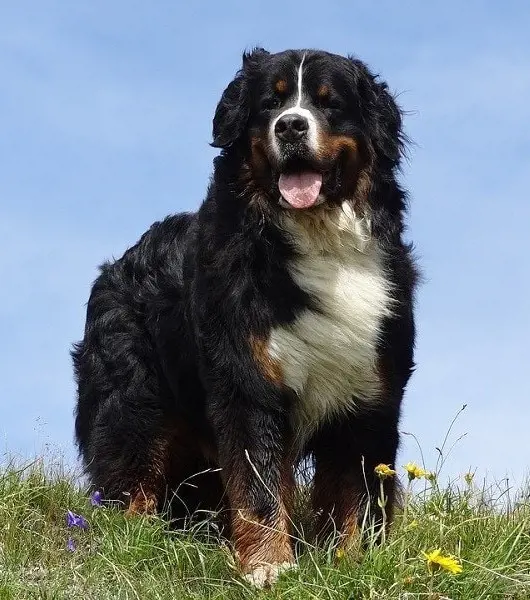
[{"x": 141, "y": 558}]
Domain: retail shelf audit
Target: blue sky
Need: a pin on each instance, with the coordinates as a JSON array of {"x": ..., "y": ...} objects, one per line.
[{"x": 105, "y": 119}]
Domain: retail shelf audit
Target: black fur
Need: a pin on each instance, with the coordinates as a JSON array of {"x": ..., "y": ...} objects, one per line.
[{"x": 166, "y": 368}]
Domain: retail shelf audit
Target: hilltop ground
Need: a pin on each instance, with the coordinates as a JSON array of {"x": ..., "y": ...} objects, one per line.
[{"x": 116, "y": 557}]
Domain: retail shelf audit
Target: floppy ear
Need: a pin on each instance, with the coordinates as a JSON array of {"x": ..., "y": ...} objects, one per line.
[
  {"x": 232, "y": 112},
  {"x": 381, "y": 114},
  {"x": 388, "y": 127}
]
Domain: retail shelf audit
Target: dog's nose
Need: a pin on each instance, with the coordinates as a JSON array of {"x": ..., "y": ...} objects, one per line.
[{"x": 291, "y": 128}]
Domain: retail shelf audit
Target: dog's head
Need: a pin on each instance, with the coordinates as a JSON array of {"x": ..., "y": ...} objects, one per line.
[{"x": 308, "y": 125}]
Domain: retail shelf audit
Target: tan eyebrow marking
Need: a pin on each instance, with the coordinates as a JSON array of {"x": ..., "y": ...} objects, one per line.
[
  {"x": 281, "y": 86},
  {"x": 323, "y": 91}
]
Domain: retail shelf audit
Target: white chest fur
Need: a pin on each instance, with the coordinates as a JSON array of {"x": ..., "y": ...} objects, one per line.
[{"x": 329, "y": 357}]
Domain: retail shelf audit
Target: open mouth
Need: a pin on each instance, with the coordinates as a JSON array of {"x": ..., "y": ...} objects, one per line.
[
  {"x": 300, "y": 190},
  {"x": 304, "y": 182},
  {"x": 300, "y": 181}
]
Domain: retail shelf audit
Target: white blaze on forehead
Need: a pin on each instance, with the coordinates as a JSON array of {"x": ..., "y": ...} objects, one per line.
[
  {"x": 297, "y": 109},
  {"x": 299, "y": 83}
]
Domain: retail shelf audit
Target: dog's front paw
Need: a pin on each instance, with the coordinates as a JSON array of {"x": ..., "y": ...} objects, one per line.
[{"x": 265, "y": 575}]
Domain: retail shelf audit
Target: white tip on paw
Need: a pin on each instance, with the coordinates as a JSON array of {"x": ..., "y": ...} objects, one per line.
[{"x": 267, "y": 575}]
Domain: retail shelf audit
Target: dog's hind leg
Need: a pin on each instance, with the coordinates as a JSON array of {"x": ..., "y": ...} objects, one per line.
[{"x": 128, "y": 454}]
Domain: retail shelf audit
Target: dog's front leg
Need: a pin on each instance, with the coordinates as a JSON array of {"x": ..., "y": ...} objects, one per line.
[{"x": 250, "y": 423}]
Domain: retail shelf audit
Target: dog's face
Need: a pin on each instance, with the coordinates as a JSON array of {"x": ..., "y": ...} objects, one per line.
[{"x": 308, "y": 125}]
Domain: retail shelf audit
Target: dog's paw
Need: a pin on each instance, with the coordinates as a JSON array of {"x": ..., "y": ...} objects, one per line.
[{"x": 266, "y": 575}]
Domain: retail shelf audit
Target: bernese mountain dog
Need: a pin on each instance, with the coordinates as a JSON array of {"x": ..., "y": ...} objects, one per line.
[{"x": 273, "y": 324}]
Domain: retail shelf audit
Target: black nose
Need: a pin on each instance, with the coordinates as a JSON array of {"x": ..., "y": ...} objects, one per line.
[{"x": 291, "y": 128}]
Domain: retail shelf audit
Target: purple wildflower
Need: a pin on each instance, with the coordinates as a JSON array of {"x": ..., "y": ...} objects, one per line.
[
  {"x": 73, "y": 520},
  {"x": 95, "y": 499},
  {"x": 71, "y": 545}
]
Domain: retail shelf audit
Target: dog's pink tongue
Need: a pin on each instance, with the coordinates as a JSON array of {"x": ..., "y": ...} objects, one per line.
[{"x": 301, "y": 190}]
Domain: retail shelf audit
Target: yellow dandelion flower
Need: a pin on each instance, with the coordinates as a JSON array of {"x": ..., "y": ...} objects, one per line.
[
  {"x": 436, "y": 560},
  {"x": 383, "y": 471},
  {"x": 340, "y": 553},
  {"x": 414, "y": 472}
]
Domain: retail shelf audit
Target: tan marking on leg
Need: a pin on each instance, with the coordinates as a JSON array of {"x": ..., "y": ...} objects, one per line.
[
  {"x": 338, "y": 504},
  {"x": 148, "y": 493},
  {"x": 263, "y": 545},
  {"x": 142, "y": 503},
  {"x": 350, "y": 535}
]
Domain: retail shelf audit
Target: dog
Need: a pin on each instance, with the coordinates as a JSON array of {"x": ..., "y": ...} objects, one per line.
[{"x": 273, "y": 324}]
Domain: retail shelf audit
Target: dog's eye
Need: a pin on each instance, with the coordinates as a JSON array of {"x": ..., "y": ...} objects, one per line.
[
  {"x": 270, "y": 104},
  {"x": 330, "y": 103}
]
